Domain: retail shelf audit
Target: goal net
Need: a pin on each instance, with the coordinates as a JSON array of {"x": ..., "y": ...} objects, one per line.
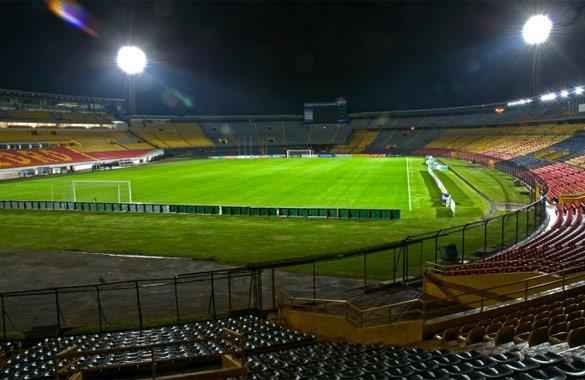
[
  {"x": 299, "y": 153},
  {"x": 101, "y": 191}
]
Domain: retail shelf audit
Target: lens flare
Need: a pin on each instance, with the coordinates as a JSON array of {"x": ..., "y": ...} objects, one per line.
[
  {"x": 173, "y": 98},
  {"x": 74, "y": 14}
]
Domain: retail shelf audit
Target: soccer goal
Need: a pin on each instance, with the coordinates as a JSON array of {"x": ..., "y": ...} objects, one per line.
[
  {"x": 102, "y": 191},
  {"x": 299, "y": 153}
]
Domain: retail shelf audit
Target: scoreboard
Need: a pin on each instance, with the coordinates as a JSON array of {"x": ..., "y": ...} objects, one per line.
[{"x": 326, "y": 113}]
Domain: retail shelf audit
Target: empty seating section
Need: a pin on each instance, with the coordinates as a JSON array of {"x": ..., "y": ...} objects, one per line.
[
  {"x": 274, "y": 352},
  {"x": 27, "y": 116},
  {"x": 60, "y": 156},
  {"x": 562, "y": 179},
  {"x": 561, "y": 321},
  {"x": 84, "y": 140},
  {"x": 401, "y": 140},
  {"x": 559, "y": 249},
  {"x": 56, "y": 117},
  {"x": 41, "y": 157},
  {"x": 503, "y": 142},
  {"x": 198, "y": 341},
  {"x": 266, "y": 134},
  {"x": 296, "y": 134},
  {"x": 172, "y": 135},
  {"x": 360, "y": 139},
  {"x": 328, "y": 134},
  {"x": 343, "y": 361}
]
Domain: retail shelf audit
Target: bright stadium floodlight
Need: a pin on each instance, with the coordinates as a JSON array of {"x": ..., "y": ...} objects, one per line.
[
  {"x": 520, "y": 102},
  {"x": 564, "y": 94},
  {"x": 548, "y": 97},
  {"x": 131, "y": 60},
  {"x": 516, "y": 103},
  {"x": 579, "y": 90},
  {"x": 537, "y": 29}
]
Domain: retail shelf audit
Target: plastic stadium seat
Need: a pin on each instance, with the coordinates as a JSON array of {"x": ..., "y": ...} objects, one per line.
[
  {"x": 499, "y": 371},
  {"x": 448, "y": 336},
  {"x": 575, "y": 368},
  {"x": 523, "y": 365},
  {"x": 504, "y": 335},
  {"x": 475, "y": 335},
  {"x": 506, "y": 357},
  {"x": 549, "y": 373},
  {"x": 576, "y": 337}
]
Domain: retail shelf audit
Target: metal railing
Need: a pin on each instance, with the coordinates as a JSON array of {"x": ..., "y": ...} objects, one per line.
[
  {"x": 131, "y": 304},
  {"x": 367, "y": 317},
  {"x": 514, "y": 292}
]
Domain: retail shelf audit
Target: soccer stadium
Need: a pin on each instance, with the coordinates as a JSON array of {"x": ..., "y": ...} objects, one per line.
[{"x": 328, "y": 243}]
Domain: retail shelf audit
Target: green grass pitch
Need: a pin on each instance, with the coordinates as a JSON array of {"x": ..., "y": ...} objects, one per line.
[{"x": 356, "y": 183}]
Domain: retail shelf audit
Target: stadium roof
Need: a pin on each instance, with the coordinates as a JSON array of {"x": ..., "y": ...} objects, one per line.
[{"x": 7, "y": 92}]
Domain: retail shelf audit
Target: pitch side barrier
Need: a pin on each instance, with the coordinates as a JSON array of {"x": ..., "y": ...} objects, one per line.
[{"x": 151, "y": 208}]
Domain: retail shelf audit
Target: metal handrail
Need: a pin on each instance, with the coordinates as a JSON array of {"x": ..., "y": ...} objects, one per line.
[
  {"x": 564, "y": 280},
  {"x": 352, "y": 308}
]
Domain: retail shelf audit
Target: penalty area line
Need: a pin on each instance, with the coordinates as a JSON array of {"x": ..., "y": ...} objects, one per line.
[{"x": 408, "y": 184}]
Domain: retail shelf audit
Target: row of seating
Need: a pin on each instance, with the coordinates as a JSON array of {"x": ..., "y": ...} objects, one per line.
[
  {"x": 559, "y": 249},
  {"x": 59, "y": 156},
  {"x": 359, "y": 141},
  {"x": 570, "y": 150},
  {"x": 554, "y": 322},
  {"x": 562, "y": 179},
  {"x": 257, "y": 134},
  {"x": 57, "y": 117},
  {"x": 172, "y": 135},
  {"x": 188, "y": 341},
  {"x": 92, "y": 140},
  {"x": 503, "y": 143},
  {"x": 343, "y": 361}
]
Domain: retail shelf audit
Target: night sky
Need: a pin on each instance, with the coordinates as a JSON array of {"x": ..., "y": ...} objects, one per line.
[{"x": 219, "y": 57}]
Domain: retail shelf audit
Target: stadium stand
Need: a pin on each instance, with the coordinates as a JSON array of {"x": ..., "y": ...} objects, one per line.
[
  {"x": 64, "y": 156},
  {"x": 107, "y": 355},
  {"x": 503, "y": 142},
  {"x": 359, "y": 141},
  {"x": 172, "y": 135},
  {"x": 94, "y": 119},
  {"x": 559, "y": 250},
  {"x": 278, "y": 353},
  {"x": 92, "y": 140},
  {"x": 562, "y": 179},
  {"x": 558, "y": 321},
  {"x": 342, "y": 361},
  {"x": 401, "y": 140},
  {"x": 39, "y": 157},
  {"x": 577, "y": 161}
]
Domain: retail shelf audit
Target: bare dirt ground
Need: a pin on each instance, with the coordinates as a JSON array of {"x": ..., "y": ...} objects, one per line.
[{"x": 99, "y": 305}]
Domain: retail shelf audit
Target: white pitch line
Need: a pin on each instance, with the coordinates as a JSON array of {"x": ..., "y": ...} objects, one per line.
[{"x": 408, "y": 182}]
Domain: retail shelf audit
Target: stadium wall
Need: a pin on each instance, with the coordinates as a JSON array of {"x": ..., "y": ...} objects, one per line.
[
  {"x": 149, "y": 208},
  {"x": 53, "y": 164},
  {"x": 337, "y": 327}
]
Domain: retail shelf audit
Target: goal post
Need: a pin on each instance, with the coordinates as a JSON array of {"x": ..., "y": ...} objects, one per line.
[
  {"x": 299, "y": 153},
  {"x": 101, "y": 191}
]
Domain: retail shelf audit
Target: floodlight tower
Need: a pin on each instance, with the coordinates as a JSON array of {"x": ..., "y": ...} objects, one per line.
[
  {"x": 536, "y": 32},
  {"x": 132, "y": 61}
]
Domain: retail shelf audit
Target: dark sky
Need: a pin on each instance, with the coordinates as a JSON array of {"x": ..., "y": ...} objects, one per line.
[{"x": 271, "y": 56}]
